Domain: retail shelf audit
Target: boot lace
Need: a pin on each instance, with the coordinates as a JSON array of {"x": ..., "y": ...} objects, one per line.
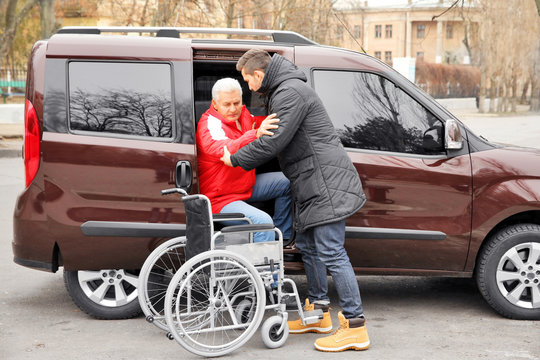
[{"x": 342, "y": 327}]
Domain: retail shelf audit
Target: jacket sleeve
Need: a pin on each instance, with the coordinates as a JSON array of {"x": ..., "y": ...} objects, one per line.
[
  {"x": 291, "y": 108},
  {"x": 213, "y": 141}
]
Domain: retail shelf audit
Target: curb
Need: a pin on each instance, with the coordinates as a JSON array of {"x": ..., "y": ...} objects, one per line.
[
  {"x": 11, "y": 148},
  {"x": 10, "y": 153}
]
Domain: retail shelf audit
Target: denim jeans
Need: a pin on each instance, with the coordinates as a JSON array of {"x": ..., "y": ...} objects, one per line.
[
  {"x": 273, "y": 185},
  {"x": 322, "y": 248}
]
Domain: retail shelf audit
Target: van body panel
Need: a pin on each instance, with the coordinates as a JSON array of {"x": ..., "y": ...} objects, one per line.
[{"x": 444, "y": 204}]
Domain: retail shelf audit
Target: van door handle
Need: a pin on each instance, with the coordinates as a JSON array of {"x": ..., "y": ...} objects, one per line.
[{"x": 184, "y": 175}]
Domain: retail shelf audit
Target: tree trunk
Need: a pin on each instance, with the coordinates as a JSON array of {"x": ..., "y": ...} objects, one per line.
[
  {"x": 47, "y": 17},
  {"x": 501, "y": 98},
  {"x": 523, "y": 100},
  {"x": 492, "y": 89},
  {"x": 535, "y": 82},
  {"x": 535, "y": 97},
  {"x": 12, "y": 21},
  {"x": 513, "y": 99},
  {"x": 482, "y": 93}
]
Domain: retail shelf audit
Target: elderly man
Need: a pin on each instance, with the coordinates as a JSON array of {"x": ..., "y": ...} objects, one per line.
[{"x": 230, "y": 190}]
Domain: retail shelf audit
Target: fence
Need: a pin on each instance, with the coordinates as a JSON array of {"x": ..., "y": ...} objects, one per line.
[{"x": 12, "y": 82}]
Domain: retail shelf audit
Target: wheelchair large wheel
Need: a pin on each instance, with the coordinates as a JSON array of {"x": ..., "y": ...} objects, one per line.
[
  {"x": 201, "y": 302},
  {"x": 156, "y": 274}
]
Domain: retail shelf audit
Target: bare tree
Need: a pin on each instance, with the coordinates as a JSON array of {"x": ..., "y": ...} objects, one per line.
[
  {"x": 12, "y": 20},
  {"x": 312, "y": 18},
  {"x": 507, "y": 50},
  {"x": 47, "y": 17}
]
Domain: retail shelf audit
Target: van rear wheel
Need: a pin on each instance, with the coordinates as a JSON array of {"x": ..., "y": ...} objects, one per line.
[
  {"x": 105, "y": 294},
  {"x": 508, "y": 272}
]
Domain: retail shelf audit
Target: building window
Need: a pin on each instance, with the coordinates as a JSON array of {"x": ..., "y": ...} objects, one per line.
[
  {"x": 378, "y": 55},
  {"x": 420, "y": 55},
  {"x": 357, "y": 31},
  {"x": 449, "y": 31},
  {"x": 388, "y": 57},
  {"x": 420, "y": 31},
  {"x": 364, "y": 118},
  {"x": 339, "y": 32},
  {"x": 388, "y": 31},
  {"x": 378, "y": 31}
]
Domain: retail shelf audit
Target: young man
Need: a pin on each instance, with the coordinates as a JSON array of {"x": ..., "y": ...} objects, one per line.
[
  {"x": 228, "y": 123},
  {"x": 325, "y": 187}
]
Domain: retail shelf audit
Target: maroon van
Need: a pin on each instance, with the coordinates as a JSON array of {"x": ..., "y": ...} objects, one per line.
[{"x": 110, "y": 122}]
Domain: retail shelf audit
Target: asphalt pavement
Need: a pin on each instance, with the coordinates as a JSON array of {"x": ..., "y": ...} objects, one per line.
[{"x": 408, "y": 317}]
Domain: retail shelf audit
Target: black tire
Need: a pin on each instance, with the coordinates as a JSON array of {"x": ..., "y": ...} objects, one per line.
[
  {"x": 508, "y": 272},
  {"x": 108, "y": 308}
]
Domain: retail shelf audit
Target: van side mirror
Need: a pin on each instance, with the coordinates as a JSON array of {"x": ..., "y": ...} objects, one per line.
[{"x": 452, "y": 135}]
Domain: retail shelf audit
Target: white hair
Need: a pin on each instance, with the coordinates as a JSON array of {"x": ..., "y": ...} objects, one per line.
[{"x": 225, "y": 85}]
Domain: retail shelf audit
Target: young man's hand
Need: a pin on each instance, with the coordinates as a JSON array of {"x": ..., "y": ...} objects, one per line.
[
  {"x": 226, "y": 158},
  {"x": 267, "y": 124}
]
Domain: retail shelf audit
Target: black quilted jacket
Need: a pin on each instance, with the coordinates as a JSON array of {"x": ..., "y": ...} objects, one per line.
[{"x": 325, "y": 185}]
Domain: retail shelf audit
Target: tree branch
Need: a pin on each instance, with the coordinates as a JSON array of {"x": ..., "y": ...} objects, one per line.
[
  {"x": 447, "y": 10},
  {"x": 13, "y": 19}
]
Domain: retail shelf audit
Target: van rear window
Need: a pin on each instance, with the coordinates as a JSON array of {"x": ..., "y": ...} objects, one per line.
[{"x": 133, "y": 99}]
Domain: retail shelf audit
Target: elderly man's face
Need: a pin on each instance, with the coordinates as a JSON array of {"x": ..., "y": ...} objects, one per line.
[{"x": 229, "y": 105}]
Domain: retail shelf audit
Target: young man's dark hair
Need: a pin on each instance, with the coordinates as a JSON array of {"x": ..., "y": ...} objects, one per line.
[
  {"x": 325, "y": 186},
  {"x": 254, "y": 59}
]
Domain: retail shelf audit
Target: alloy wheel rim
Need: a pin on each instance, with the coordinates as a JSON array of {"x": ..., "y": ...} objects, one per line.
[
  {"x": 518, "y": 275},
  {"x": 109, "y": 288}
]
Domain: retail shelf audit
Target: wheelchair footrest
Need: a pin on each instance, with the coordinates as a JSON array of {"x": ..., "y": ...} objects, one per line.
[{"x": 311, "y": 317}]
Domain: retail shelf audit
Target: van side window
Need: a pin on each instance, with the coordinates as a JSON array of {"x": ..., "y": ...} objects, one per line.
[
  {"x": 121, "y": 98},
  {"x": 370, "y": 112}
]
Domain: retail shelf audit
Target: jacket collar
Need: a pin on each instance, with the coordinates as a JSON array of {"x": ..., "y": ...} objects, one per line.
[
  {"x": 279, "y": 70},
  {"x": 232, "y": 125}
]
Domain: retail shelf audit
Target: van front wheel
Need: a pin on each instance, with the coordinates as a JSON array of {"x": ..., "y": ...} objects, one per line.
[
  {"x": 105, "y": 294},
  {"x": 508, "y": 272}
]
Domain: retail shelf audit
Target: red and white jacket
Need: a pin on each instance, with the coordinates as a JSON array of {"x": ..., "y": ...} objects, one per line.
[{"x": 220, "y": 183}]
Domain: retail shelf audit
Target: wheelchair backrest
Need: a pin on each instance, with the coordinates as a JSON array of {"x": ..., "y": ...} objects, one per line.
[{"x": 199, "y": 226}]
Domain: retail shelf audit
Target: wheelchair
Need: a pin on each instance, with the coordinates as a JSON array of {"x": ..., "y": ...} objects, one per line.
[{"x": 215, "y": 301}]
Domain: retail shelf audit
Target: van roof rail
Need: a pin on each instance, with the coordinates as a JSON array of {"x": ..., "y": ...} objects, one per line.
[{"x": 280, "y": 36}]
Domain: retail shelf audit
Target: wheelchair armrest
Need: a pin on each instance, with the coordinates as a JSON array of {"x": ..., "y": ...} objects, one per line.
[
  {"x": 247, "y": 228},
  {"x": 226, "y": 216}
]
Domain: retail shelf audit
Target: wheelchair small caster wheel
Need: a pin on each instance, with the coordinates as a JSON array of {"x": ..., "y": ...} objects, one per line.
[
  {"x": 269, "y": 332},
  {"x": 150, "y": 319},
  {"x": 170, "y": 336}
]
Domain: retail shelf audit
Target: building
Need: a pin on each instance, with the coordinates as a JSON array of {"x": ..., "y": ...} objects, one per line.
[{"x": 421, "y": 29}]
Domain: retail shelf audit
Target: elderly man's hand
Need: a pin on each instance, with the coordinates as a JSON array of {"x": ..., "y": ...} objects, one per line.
[
  {"x": 226, "y": 158},
  {"x": 269, "y": 123}
]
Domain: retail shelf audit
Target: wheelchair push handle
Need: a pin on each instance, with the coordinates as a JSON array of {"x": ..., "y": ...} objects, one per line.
[{"x": 173, "y": 191}]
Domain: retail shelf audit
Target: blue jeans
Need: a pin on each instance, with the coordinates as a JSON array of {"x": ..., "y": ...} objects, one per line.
[
  {"x": 273, "y": 185},
  {"x": 322, "y": 248}
]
